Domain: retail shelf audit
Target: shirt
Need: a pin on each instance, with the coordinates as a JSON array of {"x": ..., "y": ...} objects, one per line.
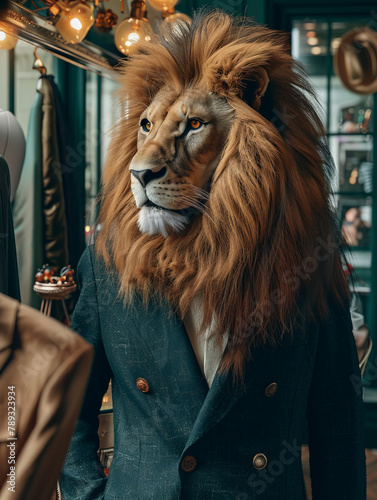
[{"x": 208, "y": 352}]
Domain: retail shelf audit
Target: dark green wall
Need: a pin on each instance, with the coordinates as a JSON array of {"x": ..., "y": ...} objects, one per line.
[{"x": 276, "y": 13}]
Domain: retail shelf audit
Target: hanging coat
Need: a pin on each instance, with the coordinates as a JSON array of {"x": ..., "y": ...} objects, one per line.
[
  {"x": 27, "y": 209},
  {"x": 55, "y": 224},
  {"x": 71, "y": 178},
  {"x": 38, "y": 207},
  {"x": 8, "y": 258}
]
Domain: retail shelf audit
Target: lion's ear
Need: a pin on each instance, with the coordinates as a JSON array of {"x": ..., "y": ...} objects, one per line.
[
  {"x": 236, "y": 76},
  {"x": 254, "y": 87}
]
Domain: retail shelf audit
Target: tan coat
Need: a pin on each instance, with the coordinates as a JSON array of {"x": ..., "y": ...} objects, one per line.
[{"x": 44, "y": 368}]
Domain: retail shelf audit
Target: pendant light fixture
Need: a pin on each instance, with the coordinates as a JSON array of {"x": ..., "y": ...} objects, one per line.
[
  {"x": 163, "y": 5},
  {"x": 7, "y": 42},
  {"x": 170, "y": 16},
  {"x": 75, "y": 19},
  {"x": 172, "y": 23},
  {"x": 134, "y": 28}
]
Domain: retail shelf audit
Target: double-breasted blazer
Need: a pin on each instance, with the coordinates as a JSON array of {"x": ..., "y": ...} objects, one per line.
[{"x": 177, "y": 439}]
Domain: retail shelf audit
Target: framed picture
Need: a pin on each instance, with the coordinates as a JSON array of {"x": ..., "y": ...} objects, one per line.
[
  {"x": 355, "y": 164},
  {"x": 356, "y": 218}
]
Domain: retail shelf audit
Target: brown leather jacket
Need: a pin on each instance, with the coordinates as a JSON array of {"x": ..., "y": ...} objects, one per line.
[{"x": 44, "y": 368}]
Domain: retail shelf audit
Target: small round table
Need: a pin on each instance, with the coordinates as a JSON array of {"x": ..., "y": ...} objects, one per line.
[{"x": 52, "y": 291}]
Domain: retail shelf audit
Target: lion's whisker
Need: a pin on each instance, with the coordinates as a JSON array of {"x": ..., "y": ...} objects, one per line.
[
  {"x": 200, "y": 192},
  {"x": 193, "y": 201},
  {"x": 198, "y": 205}
]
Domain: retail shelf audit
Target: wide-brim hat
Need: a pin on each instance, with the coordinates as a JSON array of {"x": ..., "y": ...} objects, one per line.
[{"x": 355, "y": 60}]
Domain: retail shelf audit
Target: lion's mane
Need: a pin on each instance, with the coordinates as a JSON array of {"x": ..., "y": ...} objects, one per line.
[{"x": 265, "y": 253}]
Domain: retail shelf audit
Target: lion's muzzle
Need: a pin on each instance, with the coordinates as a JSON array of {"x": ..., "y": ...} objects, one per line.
[{"x": 147, "y": 175}]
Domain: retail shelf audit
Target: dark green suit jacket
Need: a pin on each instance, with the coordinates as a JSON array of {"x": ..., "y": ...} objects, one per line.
[{"x": 243, "y": 441}]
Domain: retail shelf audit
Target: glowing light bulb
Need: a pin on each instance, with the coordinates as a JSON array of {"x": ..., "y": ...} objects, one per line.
[
  {"x": 316, "y": 51},
  {"x": 335, "y": 43},
  {"x": 177, "y": 16},
  {"x": 133, "y": 37},
  {"x": 130, "y": 32},
  {"x": 76, "y": 24},
  {"x": 174, "y": 24},
  {"x": 313, "y": 41},
  {"x": 75, "y": 20},
  {"x": 163, "y": 5},
  {"x": 7, "y": 42}
]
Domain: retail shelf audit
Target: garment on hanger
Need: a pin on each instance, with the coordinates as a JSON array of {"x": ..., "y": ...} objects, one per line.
[
  {"x": 27, "y": 214},
  {"x": 55, "y": 223},
  {"x": 9, "y": 284},
  {"x": 74, "y": 200},
  {"x": 38, "y": 207}
]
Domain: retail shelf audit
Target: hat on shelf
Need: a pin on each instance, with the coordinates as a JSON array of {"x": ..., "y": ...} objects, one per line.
[{"x": 355, "y": 60}]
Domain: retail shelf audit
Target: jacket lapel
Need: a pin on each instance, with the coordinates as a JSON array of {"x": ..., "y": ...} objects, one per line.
[
  {"x": 183, "y": 375},
  {"x": 221, "y": 397},
  {"x": 166, "y": 339},
  {"x": 224, "y": 393}
]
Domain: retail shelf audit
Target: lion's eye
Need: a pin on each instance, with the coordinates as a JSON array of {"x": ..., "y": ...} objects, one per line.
[
  {"x": 194, "y": 124},
  {"x": 145, "y": 125}
]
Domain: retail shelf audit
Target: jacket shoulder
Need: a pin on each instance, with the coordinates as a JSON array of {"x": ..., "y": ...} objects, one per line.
[
  {"x": 26, "y": 322},
  {"x": 91, "y": 262}
]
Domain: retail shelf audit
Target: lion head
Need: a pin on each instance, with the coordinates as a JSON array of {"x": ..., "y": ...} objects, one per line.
[
  {"x": 179, "y": 145},
  {"x": 216, "y": 184}
]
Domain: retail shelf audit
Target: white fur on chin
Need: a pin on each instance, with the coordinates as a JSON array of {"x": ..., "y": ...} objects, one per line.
[{"x": 156, "y": 221}]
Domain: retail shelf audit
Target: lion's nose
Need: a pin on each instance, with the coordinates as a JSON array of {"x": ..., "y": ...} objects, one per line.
[{"x": 145, "y": 176}]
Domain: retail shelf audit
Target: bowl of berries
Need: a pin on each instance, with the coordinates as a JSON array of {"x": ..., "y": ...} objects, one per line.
[{"x": 49, "y": 286}]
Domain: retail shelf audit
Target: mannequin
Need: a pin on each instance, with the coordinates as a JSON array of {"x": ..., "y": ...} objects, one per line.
[{"x": 12, "y": 147}]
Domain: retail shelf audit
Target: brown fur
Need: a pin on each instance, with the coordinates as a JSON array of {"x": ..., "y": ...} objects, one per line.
[{"x": 268, "y": 202}]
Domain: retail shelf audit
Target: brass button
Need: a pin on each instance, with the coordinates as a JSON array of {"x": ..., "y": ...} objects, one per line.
[
  {"x": 271, "y": 389},
  {"x": 142, "y": 385},
  {"x": 260, "y": 461},
  {"x": 188, "y": 463}
]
